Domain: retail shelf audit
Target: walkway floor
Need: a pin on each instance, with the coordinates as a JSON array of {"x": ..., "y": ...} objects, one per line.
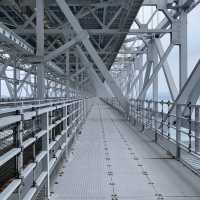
[{"x": 112, "y": 159}]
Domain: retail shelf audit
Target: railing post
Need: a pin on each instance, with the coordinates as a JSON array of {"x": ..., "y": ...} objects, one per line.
[
  {"x": 142, "y": 107},
  {"x": 19, "y": 136},
  {"x": 137, "y": 113},
  {"x": 141, "y": 114},
  {"x": 65, "y": 129},
  {"x": 168, "y": 120},
  {"x": 133, "y": 112},
  {"x": 190, "y": 127},
  {"x": 162, "y": 122},
  {"x": 128, "y": 113},
  {"x": 84, "y": 108},
  {"x": 148, "y": 113},
  {"x": 178, "y": 131},
  {"x": 197, "y": 130},
  {"x": 151, "y": 114},
  {"x": 156, "y": 120}
]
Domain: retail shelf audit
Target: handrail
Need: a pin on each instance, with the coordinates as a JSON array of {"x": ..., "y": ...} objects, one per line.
[{"x": 180, "y": 129}]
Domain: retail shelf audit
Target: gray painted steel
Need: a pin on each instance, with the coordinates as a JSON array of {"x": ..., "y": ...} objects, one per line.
[{"x": 111, "y": 158}]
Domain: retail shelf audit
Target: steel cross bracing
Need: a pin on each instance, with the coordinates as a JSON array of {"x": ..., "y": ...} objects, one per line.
[
  {"x": 172, "y": 119},
  {"x": 51, "y": 50},
  {"x": 51, "y": 35},
  {"x": 146, "y": 55},
  {"x": 65, "y": 48},
  {"x": 37, "y": 135},
  {"x": 107, "y": 24}
]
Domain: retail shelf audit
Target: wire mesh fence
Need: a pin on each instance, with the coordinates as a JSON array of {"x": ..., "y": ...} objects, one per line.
[
  {"x": 42, "y": 195},
  {"x": 8, "y": 172},
  {"x": 28, "y": 156},
  {"x": 7, "y": 139}
]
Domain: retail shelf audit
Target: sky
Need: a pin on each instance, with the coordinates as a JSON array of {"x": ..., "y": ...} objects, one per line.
[
  {"x": 193, "y": 51},
  {"x": 173, "y": 58}
]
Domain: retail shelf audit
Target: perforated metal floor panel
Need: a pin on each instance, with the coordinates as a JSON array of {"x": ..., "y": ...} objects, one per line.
[{"x": 113, "y": 162}]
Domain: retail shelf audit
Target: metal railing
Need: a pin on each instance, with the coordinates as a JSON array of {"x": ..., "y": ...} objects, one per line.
[
  {"x": 174, "y": 127},
  {"x": 34, "y": 137}
]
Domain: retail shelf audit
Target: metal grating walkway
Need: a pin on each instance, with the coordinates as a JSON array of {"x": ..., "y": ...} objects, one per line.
[{"x": 111, "y": 161}]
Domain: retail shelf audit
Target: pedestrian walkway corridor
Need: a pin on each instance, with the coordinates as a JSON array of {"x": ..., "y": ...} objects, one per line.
[{"x": 112, "y": 161}]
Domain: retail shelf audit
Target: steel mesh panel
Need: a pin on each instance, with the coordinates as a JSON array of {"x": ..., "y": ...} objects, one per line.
[
  {"x": 31, "y": 127},
  {"x": 57, "y": 115},
  {"x": 7, "y": 141},
  {"x": 7, "y": 173},
  {"x": 58, "y": 129},
  {"x": 28, "y": 126},
  {"x": 42, "y": 195},
  {"x": 38, "y": 146},
  {"x": 28, "y": 156}
]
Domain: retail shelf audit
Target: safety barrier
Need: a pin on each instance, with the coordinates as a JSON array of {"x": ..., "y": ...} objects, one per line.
[
  {"x": 34, "y": 137},
  {"x": 175, "y": 127}
]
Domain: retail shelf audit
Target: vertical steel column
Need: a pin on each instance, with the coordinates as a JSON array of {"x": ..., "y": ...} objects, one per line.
[
  {"x": 20, "y": 131},
  {"x": 35, "y": 82},
  {"x": 140, "y": 62},
  {"x": 45, "y": 147},
  {"x": 92, "y": 52},
  {"x": 0, "y": 87},
  {"x": 155, "y": 63},
  {"x": 67, "y": 73},
  {"x": 178, "y": 131},
  {"x": 183, "y": 55},
  {"x": 101, "y": 90},
  {"x": 65, "y": 129},
  {"x": 40, "y": 85},
  {"x": 155, "y": 107},
  {"x": 16, "y": 77},
  {"x": 197, "y": 130},
  {"x": 130, "y": 76},
  {"x": 40, "y": 48}
]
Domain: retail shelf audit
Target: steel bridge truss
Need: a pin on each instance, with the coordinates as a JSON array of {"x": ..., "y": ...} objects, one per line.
[
  {"x": 56, "y": 53},
  {"x": 55, "y": 31},
  {"x": 172, "y": 120},
  {"x": 143, "y": 55}
]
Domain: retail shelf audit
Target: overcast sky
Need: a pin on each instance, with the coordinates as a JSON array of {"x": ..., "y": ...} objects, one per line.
[{"x": 193, "y": 50}]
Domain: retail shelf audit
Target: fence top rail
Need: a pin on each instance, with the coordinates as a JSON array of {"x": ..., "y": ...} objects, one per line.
[
  {"x": 162, "y": 102},
  {"x": 37, "y": 101}
]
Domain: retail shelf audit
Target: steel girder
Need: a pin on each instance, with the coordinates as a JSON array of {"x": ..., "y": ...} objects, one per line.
[
  {"x": 92, "y": 52},
  {"x": 97, "y": 82},
  {"x": 175, "y": 23}
]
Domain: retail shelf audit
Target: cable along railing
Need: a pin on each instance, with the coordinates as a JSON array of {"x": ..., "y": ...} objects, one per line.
[{"x": 175, "y": 127}]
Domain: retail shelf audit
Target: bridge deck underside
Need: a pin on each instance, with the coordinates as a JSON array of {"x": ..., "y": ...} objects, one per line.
[{"x": 111, "y": 158}]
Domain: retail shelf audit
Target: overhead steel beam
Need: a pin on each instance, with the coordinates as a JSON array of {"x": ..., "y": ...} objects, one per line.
[
  {"x": 78, "y": 72},
  {"x": 98, "y": 84},
  {"x": 56, "y": 31},
  {"x": 67, "y": 71},
  {"x": 183, "y": 51},
  {"x": 167, "y": 71},
  {"x": 92, "y": 52},
  {"x": 155, "y": 72},
  {"x": 190, "y": 91},
  {"x": 139, "y": 76},
  {"x": 28, "y": 21},
  {"x": 24, "y": 79},
  {"x": 62, "y": 49},
  {"x": 53, "y": 67}
]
